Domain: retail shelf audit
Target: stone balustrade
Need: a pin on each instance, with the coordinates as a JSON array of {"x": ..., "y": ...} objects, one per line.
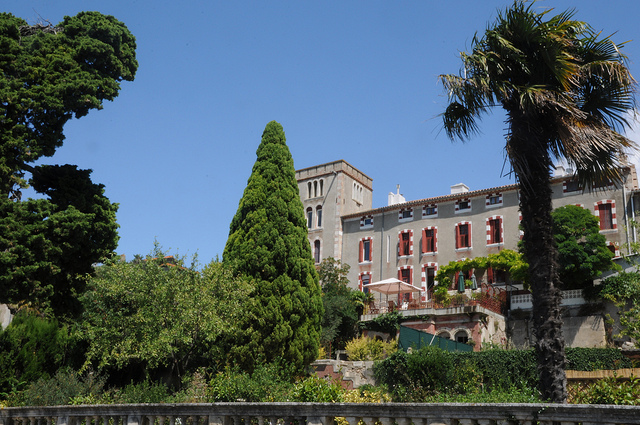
[{"x": 321, "y": 414}]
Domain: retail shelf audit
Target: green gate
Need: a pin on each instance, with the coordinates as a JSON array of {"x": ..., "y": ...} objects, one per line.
[{"x": 417, "y": 339}]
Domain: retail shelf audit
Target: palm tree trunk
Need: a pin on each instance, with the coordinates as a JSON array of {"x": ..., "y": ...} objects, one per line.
[{"x": 531, "y": 164}]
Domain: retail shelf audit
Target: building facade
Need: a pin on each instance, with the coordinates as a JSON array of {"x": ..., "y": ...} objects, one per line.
[{"x": 410, "y": 240}]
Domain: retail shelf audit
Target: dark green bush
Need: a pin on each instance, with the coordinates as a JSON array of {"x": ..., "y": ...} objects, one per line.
[
  {"x": 502, "y": 369},
  {"x": 32, "y": 347},
  {"x": 65, "y": 386},
  {"x": 431, "y": 374},
  {"x": 267, "y": 383},
  {"x": 588, "y": 359},
  {"x": 143, "y": 392}
]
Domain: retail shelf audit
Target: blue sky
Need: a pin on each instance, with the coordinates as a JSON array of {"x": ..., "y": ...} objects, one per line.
[{"x": 352, "y": 80}]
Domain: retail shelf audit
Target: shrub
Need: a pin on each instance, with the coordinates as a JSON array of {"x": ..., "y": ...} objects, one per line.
[
  {"x": 65, "y": 387},
  {"x": 610, "y": 391},
  {"x": 588, "y": 359},
  {"x": 318, "y": 390},
  {"x": 433, "y": 374},
  {"x": 364, "y": 348},
  {"x": 32, "y": 347},
  {"x": 267, "y": 383}
]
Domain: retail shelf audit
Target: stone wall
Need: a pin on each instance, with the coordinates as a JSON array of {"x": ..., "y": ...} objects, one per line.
[{"x": 350, "y": 374}]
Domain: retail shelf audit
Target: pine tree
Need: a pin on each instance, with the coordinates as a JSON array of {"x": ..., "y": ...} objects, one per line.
[{"x": 268, "y": 243}]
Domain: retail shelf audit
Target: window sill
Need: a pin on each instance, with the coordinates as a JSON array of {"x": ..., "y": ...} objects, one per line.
[
  {"x": 468, "y": 248},
  {"x": 404, "y": 257},
  {"x": 405, "y": 220},
  {"x": 364, "y": 263},
  {"x": 466, "y": 210},
  {"x": 489, "y": 245},
  {"x": 494, "y": 205},
  {"x": 430, "y": 254},
  {"x": 366, "y": 226},
  {"x": 607, "y": 231}
]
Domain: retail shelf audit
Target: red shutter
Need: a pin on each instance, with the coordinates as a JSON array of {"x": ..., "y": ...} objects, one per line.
[
  {"x": 490, "y": 275},
  {"x": 457, "y": 236},
  {"x": 360, "y": 258}
]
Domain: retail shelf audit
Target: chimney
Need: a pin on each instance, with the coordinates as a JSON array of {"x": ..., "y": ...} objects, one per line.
[{"x": 459, "y": 188}]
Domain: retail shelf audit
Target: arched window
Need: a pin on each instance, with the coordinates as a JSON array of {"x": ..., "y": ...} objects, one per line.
[
  {"x": 315, "y": 189},
  {"x": 319, "y": 215},
  {"x": 462, "y": 336},
  {"x": 309, "y": 190},
  {"x": 321, "y": 187},
  {"x": 316, "y": 251},
  {"x": 309, "y": 217}
]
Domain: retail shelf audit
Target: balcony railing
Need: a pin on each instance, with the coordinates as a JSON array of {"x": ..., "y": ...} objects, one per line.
[{"x": 320, "y": 414}]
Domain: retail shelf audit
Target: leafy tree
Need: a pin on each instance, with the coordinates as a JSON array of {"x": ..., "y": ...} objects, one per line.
[
  {"x": 565, "y": 91},
  {"x": 268, "y": 243},
  {"x": 48, "y": 245},
  {"x": 340, "y": 320},
  {"x": 159, "y": 315},
  {"x": 50, "y": 74},
  {"x": 583, "y": 253}
]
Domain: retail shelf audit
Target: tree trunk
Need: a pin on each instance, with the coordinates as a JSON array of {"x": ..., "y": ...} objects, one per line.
[{"x": 531, "y": 162}]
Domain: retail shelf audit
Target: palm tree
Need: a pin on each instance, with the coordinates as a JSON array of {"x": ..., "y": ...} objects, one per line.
[{"x": 566, "y": 93}]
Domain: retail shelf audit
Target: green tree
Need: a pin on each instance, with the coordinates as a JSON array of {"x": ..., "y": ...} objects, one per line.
[
  {"x": 565, "y": 91},
  {"x": 50, "y": 74},
  {"x": 157, "y": 314},
  {"x": 582, "y": 251},
  {"x": 340, "y": 320},
  {"x": 48, "y": 245},
  {"x": 268, "y": 242}
]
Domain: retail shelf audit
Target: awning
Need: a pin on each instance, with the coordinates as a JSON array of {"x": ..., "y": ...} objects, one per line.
[{"x": 392, "y": 286}]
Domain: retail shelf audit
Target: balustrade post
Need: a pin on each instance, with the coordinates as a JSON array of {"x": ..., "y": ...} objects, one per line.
[
  {"x": 134, "y": 420},
  {"x": 62, "y": 420},
  {"x": 319, "y": 420}
]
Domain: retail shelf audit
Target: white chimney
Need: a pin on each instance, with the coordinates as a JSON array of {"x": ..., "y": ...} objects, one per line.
[{"x": 459, "y": 188}]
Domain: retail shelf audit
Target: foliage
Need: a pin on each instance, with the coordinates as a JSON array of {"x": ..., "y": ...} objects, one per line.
[
  {"x": 582, "y": 251},
  {"x": 589, "y": 359},
  {"x": 441, "y": 295},
  {"x": 49, "y": 75},
  {"x": 610, "y": 391},
  {"x": 159, "y": 314},
  {"x": 364, "y": 348},
  {"x": 48, "y": 245},
  {"x": 33, "y": 347},
  {"x": 65, "y": 386},
  {"x": 386, "y": 323},
  {"x": 425, "y": 372},
  {"x": 507, "y": 260},
  {"x": 430, "y": 374},
  {"x": 340, "y": 320},
  {"x": 268, "y": 242},
  {"x": 266, "y": 383},
  {"x": 566, "y": 91},
  {"x": 623, "y": 289},
  {"x": 314, "y": 389}
]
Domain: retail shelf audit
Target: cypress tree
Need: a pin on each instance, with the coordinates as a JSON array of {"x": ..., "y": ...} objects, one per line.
[{"x": 268, "y": 243}]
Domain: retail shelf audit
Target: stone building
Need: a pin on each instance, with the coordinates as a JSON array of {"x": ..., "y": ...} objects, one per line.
[{"x": 409, "y": 240}]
